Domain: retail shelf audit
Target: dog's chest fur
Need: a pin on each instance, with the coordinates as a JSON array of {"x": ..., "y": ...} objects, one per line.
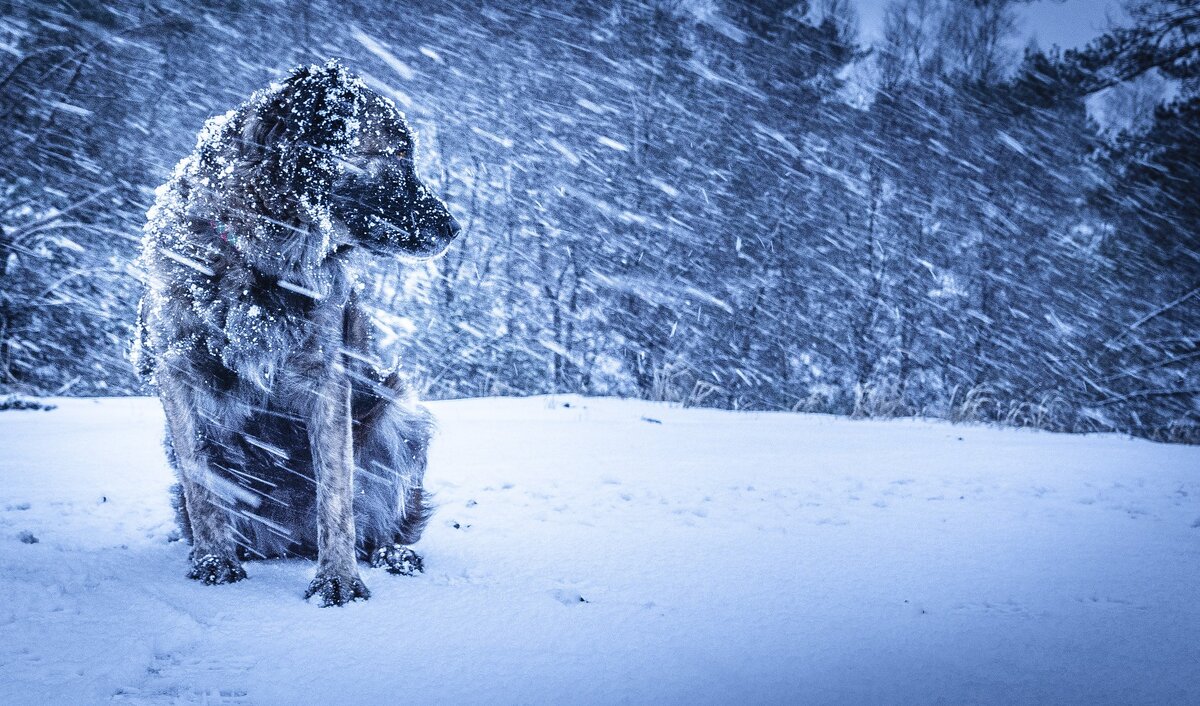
[
  {"x": 279, "y": 330},
  {"x": 271, "y": 318}
]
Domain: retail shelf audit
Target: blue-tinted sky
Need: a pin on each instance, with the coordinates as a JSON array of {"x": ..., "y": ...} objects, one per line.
[{"x": 1069, "y": 23}]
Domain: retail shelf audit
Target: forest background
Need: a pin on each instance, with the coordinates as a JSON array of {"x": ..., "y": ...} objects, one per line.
[{"x": 722, "y": 203}]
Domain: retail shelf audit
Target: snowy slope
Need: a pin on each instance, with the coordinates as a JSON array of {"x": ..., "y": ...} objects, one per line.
[{"x": 721, "y": 558}]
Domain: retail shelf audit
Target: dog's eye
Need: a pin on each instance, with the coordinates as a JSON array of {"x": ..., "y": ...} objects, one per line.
[{"x": 401, "y": 155}]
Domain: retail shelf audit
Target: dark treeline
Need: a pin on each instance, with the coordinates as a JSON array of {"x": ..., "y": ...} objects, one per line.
[{"x": 722, "y": 203}]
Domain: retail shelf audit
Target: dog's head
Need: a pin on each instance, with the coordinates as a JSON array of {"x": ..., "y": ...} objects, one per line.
[{"x": 341, "y": 155}]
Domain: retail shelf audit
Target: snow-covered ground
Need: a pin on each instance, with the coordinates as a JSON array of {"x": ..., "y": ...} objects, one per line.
[{"x": 626, "y": 552}]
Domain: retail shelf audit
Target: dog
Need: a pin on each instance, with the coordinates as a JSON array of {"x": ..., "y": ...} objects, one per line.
[{"x": 288, "y": 438}]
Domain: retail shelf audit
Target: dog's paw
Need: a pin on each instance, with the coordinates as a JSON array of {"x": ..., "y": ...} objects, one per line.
[
  {"x": 398, "y": 559},
  {"x": 212, "y": 569},
  {"x": 335, "y": 589}
]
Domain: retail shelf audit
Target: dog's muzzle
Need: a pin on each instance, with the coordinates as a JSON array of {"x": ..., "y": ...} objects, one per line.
[{"x": 393, "y": 213}]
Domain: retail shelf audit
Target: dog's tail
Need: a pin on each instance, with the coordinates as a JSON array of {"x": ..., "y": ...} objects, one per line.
[
  {"x": 177, "y": 502},
  {"x": 391, "y": 442}
]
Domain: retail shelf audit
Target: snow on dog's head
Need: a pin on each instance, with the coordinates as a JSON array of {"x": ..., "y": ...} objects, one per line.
[{"x": 321, "y": 150}]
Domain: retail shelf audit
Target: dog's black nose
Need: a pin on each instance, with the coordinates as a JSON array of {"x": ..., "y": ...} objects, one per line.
[{"x": 452, "y": 228}]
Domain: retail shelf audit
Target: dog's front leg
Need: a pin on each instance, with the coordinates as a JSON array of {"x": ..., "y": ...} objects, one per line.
[
  {"x": 214, "y": 559},
  {"x": 337, "y": 581}
]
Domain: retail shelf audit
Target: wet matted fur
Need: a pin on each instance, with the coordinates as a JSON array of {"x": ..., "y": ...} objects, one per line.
[{"x": 287, "y": 437}]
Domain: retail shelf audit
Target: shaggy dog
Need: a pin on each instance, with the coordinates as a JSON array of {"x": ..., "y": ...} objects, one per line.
[{"x": 287, "y": 437}]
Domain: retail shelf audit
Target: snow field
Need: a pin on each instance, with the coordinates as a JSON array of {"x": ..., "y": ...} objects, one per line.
[{"x": 609, "y": 551}]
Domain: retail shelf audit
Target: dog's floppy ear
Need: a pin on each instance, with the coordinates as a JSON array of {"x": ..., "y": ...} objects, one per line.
[{"x": 292, "y": 138}]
